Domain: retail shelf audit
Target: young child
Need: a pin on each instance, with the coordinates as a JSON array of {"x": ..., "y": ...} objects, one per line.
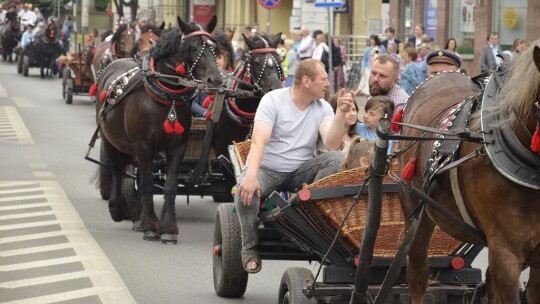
[
  {"x": 350, "y": 121},
  {"x": 360, "y": 154},
  {"x": 376, "y": 108}
]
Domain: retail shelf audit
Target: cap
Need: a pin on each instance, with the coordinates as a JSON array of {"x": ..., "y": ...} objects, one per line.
[
  {"x": 30, "y": 24},
  {"x": 424, "y": 45},
  {"x": 443, "y": 56}
]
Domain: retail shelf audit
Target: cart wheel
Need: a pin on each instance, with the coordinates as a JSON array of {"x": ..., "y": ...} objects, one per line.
[
  {"x": 20, "y": 64},
  {"x": 129, "y": 191},
  {"x": 222, "y": 197},
  {"x": 68, "y": 91},
  {"x": 25, "y": 65},
  {"x": 292, "y": 282},
  {"x": 230, "y": 279},
  {"x": 105, "y": 176}
]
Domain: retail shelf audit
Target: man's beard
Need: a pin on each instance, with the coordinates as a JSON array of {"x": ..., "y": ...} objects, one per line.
[{"x": 377, "y": 90}]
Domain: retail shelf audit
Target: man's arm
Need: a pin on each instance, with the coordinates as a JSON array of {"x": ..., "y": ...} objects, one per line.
[
  {"x": 250, "y": 184},
  {"x": 332, "y": 132}
]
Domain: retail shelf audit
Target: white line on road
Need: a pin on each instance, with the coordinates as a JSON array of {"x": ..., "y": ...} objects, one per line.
[
  {"x": 16, "y": 252},
  {"x": 17, "y": 125},
  {"x": 107, "y": 295},
  {"x": 24, "y": 215}
]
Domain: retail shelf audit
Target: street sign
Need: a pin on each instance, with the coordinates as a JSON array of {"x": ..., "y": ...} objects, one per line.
[
  {"x": 269, "y": 4},
  {"x": 328, "y": 3}
]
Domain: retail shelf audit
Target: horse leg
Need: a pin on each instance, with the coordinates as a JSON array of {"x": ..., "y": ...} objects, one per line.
[
  {"x": 503, "y": 274},
  {"x": 149, "y": 220},
  {"x": 418, "y": 267},
  {"x": 169, "y": 226},
  {"x": 117, "y": 203}
]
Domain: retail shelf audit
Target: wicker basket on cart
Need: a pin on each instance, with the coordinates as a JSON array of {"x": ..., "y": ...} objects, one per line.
[{"x": 333, "y": 211}]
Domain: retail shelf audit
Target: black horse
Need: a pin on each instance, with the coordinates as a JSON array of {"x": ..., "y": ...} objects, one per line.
[
  {"x": 10, "y": 37},
  {"x": 259, "y": 72},
  {"x": 43, "y": 51},
  {"x": 143, "y": 111}
]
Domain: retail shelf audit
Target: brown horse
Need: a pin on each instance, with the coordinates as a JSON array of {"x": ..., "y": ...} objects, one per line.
[
  {"x": 495, "y": 187},
  {"x": 149, "y": 36},
  {"x": 146, "y": 113},
  {"x": 121, "y": 45}
]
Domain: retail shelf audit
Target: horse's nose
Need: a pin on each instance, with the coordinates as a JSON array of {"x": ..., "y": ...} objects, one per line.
[{"x": 214, "y": 80}]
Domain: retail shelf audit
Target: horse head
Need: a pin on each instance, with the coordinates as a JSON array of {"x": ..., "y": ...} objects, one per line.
[
  {"x": 150, "y": 34},
  {"x": 262, "y": 63},
  {"x": 124, "y": 41},
  {"x": 195, "y": 53}
]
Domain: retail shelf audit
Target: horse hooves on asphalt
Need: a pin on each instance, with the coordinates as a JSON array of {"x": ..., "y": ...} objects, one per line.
[
  {"x": 169, "y": 238},
  {"x": 151, "y": 236}
]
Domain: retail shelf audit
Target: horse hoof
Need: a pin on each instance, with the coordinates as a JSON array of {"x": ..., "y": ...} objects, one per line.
[
  {"x": 150, "y": 236},
  {"x": 168, "y": 238},
  {"x": 137, "y": 226}
]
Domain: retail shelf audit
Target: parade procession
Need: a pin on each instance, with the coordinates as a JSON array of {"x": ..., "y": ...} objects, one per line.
[{"x": 309, "y": 151}]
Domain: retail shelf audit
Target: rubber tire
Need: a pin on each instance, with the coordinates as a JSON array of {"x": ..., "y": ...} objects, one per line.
[
  {"x": 65, "y": 77},
  {"x": 20, "y": 64},
  {"x": 129, "y": 190},
  {"x": 69, "y": 91},
  {"x": 230, "y": 279},
  {"x": 25, "y": 65},
  {"x": 293, "y": 281},
  {"x": 105, "y": 188}
]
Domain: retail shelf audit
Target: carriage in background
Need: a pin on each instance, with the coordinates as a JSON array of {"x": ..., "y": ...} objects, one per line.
[
  {"x": 42, "y": 53},
  {"x": 77, "y": 75}
]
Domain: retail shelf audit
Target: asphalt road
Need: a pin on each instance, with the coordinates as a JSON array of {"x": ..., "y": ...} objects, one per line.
[{"x": 64, "y": 247}]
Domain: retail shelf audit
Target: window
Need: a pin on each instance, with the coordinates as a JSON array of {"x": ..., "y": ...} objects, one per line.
[
  {"x": 510, "y": 21},
  {"x": 462, "y": 25}
]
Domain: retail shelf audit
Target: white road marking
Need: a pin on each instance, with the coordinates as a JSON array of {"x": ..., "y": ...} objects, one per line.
[
  {"x": 3, "y": 92},
  {"x": 16, "y": 130},
  {"x": 107, "y": 284},
  {"x": 41, "y": 174},
  {"x": 24, "y": 215},
  {"x": 38, "y": 249}
]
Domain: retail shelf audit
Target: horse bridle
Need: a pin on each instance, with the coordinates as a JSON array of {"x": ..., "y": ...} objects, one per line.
[
  {"x": 269, "y": 60},
  {"x": 122, "y": 47},
  {"x": 207, "y": 41}
]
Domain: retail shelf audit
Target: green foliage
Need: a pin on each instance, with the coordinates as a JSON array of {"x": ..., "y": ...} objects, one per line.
[{"x": 101, "y": 5}]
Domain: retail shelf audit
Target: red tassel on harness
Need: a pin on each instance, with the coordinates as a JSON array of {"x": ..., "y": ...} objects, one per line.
[
  {"x": 103, "y": 95},
  {"x": 209, "y": 115},
  {"x": 397, "y": 118},
  {"x": 408, "y": 172},
  {"x": 535, "y": 143},
  {"x": 178, "y": 129},
  {"x": 208, "y": 100},
  {"x": 168, "y": 127},
  {"x": 93, "y": 90},
  {"x": 180, "y": 69}
]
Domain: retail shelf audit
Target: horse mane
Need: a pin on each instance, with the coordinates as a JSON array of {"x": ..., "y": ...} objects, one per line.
[
  {"x": 258, "y": 41},
  {"x": 151, "y": 27},
  {"x": 168, "y": 44},
  {"x": 522, "y": 86},
  {"x": 118, "y": 34}
]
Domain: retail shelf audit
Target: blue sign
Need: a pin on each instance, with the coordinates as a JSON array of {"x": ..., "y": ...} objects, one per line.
[
  {"x": 270, "y": 4},
  {"x": 328, "y": 3}
]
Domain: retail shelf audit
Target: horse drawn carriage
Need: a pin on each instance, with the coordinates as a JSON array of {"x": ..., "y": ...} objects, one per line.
[
  {"x": 304, "y": 226},
  {"x": 77, "y": 75},
  {"x": 468, "y": 166},
  {"x": 42, "y": 53}
]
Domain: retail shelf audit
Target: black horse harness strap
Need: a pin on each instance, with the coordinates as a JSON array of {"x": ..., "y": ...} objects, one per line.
[{"x": 507, "y": 154}]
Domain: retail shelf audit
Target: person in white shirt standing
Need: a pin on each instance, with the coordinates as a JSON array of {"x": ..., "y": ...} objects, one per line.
[
  {"x": 26, "y": 16},
  {"x": 307, "y": 45},
  {"x": 320, "y": 49}
]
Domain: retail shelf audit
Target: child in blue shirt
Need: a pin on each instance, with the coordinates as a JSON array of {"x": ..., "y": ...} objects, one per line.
[{"x": 376, "y": 108}]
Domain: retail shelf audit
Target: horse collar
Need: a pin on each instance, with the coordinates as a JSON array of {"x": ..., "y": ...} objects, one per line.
[{"x": 505, "y": 151}]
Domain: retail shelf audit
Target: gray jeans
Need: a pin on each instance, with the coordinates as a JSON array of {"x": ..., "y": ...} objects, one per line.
[{"x": 314, "y": 169}]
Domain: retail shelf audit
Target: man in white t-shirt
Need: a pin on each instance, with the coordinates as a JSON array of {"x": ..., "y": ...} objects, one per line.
[{"x": 288, "y": 123}]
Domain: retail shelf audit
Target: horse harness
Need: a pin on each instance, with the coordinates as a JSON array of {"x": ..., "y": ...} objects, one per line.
[{"x": 244, "y": 75}]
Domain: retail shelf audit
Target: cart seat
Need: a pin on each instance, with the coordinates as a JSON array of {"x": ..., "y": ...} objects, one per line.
[{"x": 326, "y": 214}]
